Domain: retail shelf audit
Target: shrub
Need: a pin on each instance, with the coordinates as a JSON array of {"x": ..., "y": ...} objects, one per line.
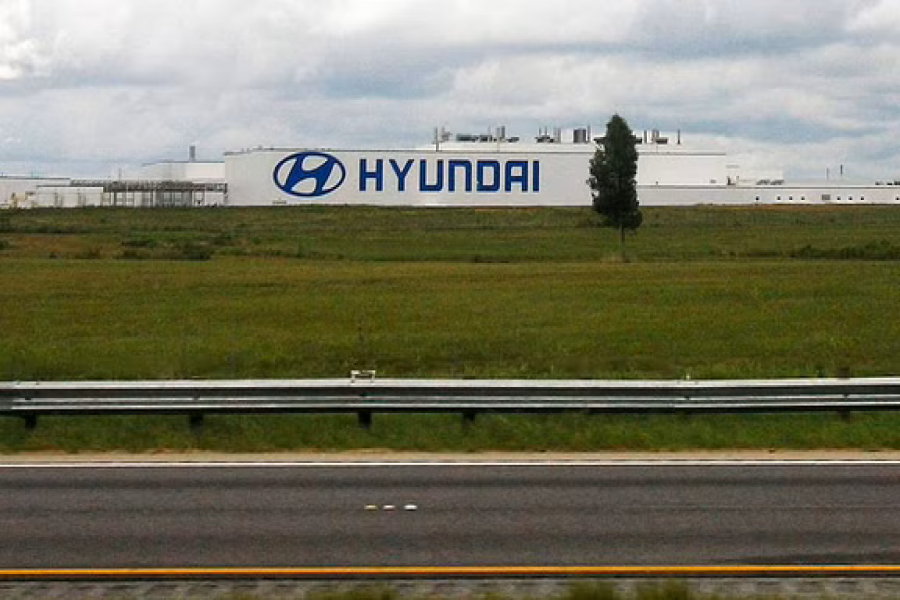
[
  {"x": 878, "y": 250},
  {"x": 139, "y": 243},
  {"x": 92, "y": 253}
]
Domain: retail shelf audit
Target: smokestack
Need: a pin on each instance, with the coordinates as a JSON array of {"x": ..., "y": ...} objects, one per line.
[{"x": 192, "y": 153}]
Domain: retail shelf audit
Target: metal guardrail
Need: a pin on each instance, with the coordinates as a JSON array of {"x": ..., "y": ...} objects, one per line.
[{"x": 366, "y": 396}]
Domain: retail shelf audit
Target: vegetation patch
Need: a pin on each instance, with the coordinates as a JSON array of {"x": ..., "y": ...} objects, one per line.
[
  {"x": 282, "y": 318},
  {"x": 878, "y": 250},
  {"x": 305, "y": 292},
  {"x": 366, "y": 233},
  {"x": 447, "y": 433}
]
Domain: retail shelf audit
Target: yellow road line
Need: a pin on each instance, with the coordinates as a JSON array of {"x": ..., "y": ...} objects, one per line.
[{"x": 439, "y": 572}]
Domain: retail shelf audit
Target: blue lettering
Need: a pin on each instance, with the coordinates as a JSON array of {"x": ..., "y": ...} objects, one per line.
[
  {"x": 466, "y": 166},
  {"x": 401, "y": 173},
  {"x": 483, "y": 167},
  {"x": 460, "y": 175},
  {"x": 438, "y": 185},
  {"x": 516, "y": 172},
  {"x": 377, "y": 175}
]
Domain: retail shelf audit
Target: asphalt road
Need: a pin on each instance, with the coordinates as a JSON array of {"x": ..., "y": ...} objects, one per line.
[{"x": 448, "y": 515}]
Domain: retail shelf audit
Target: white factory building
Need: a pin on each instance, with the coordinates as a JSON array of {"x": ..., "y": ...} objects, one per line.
[
  {"x": 21, "y": 191},
  {"x": 496, "y": 170},
  {"x": 550, "y": 169}
]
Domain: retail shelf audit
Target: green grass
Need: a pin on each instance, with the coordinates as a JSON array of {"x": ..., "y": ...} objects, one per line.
[
  {"x": 446, "y": 433},
  {"x": 704, "y": 292},
  {"x": 454, "y": 235},
  {"x": 228, "y": 318}
]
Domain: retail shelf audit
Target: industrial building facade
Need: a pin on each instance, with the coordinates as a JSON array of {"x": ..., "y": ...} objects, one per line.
[
  {"x": 496, "y": 172},
  {"x": 455, "y": 171}
]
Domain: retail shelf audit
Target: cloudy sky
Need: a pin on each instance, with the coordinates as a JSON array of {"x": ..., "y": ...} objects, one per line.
[{"x": 91, "y": 86}]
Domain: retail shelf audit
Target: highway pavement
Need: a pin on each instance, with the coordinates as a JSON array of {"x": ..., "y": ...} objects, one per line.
[{"x": 448, "y": 514}]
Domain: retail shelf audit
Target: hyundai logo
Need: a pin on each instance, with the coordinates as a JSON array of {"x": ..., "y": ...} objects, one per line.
[{"x": 309, "y": 174}]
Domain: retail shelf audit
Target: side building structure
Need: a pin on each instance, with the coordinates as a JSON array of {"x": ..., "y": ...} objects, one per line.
[
  {"x": 171, "y": 183},
  {"x": 22, "y": 191}
]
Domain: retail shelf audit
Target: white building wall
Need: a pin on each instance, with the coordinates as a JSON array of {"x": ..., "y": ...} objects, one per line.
[
  {"x": 181, "y": 171},
  {"x": 767, "y": 194},
  {"x": 68, "y": 197},
  {"x": 666, "y": 168},
  {"x": 21, "y": 192},
  {"x": 457, "y": 178},
  {"x": 203, "y": 172},
  {"x": 152, "y": 172},
  {"x": 443, "y": 178},
  {"x": 406, "y": 178}
]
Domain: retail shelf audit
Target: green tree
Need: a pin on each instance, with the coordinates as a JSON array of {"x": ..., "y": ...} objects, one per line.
[{"x": 612, "y": 178}]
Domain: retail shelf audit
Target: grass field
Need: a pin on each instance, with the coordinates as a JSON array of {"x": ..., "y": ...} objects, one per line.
[
  {"x": 445, "y": 433},
  {"x": 244, "y": 318},
  {"x": 534, "y": 293},
  {"x": 450, "y": 235},
  {"x": 703, "y": 292}
]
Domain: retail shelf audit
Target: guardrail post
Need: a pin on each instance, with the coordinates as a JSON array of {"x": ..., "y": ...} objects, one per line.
[
  {"x": 196, "y": 422},
  {"x": 469, "y": 417},
  {"x": 365, "y": 419},
  {"x": 30, "y": 421}
]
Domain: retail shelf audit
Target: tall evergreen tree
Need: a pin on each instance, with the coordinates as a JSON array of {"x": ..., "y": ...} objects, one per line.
[{"x": 613, "y": 171}]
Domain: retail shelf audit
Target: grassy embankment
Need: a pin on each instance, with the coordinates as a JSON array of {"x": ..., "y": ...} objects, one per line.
[{"x": 530, "y": 293}]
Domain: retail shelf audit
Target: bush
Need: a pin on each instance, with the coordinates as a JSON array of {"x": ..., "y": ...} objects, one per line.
[
  {"x": 879, "y": 250},
  {"x": 139, "y": 243},
  {"x": 182, "y": 251},
  {"x": 191, "y": 251},
  {"x": 132, "y": 254},
  {"x": 224, "y": 239},
  {"x": 92, "y": 253}
]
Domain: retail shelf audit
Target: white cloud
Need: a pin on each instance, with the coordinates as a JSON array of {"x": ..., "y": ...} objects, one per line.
[
  {"x": 99, "y": 80},
  {"x": 18, "y": 53},
  {"x": 882, "y": 16}
]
